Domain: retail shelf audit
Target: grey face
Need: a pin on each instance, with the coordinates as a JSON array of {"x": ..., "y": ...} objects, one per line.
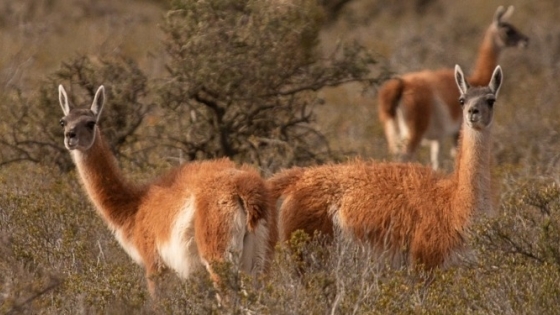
[
  {"x": 506, "y": 34},
  {"x": 478, "y": 107},
  {"x": 478, "y": 102},
  {"x": 79, "y": 129},
  {"x": 80, "y": 125},
  {"x": 509, "y": 36}
]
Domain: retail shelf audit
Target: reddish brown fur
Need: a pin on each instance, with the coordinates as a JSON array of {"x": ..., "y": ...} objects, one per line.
[
  {"x": 144, "y": 216},
  {"x": 407, "y": 210},
  {"x": 146, "y": 213},
  {"x": 393, "y": 206},
  {"x": 428, "y": 99},
  {"x": 389, "y": 98}
]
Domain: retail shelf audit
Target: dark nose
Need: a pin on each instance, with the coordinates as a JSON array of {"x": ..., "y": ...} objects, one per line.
[
  {"x": 473, "y": 111},
  {"x": 70, "y": 134}
]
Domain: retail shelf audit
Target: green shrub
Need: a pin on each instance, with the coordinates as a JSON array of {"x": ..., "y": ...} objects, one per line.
[
  {"x": 528, "y": 224},
  {"x": 244, "y": 76},
  {"x": 31, "y": 129}
]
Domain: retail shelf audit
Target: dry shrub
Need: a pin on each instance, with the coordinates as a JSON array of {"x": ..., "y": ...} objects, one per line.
[
  {"x": 243, "y": 76},
  {"x": 57, "y": 256},
  {"x": 30, "y": 126},
  {"x": 528, "y": 225},
  {"x": 62, "y": 255}
]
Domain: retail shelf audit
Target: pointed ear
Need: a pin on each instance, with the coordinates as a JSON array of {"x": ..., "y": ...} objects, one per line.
[
  {"x": 460, "y": 79},
  {"x": 496, "y": 81},
  {"x": 507, "y": 14},
  {"x": 63, "y": 99},
  {"x": 503, "y": 14},
  {"x": 98, "y": 102},
  {"x": 498, "y": 15}
]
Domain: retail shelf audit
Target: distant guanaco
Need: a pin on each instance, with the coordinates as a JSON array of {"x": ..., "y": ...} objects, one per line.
[
  {"x": 407, "y": 211},
  {"x": 423, "y": 105},
  {"x": 195, "y": 215}
]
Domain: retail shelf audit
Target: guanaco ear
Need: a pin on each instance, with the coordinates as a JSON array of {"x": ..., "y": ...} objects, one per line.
[
  {"x": 507, "y": 14},
  {"x": 503, "y": 14},
  {"x": 496, "y": 81},
  {"x": 63, "y": 99},
  {"x": 460, "y": 79},
  {"x": 98, "y": 102}
]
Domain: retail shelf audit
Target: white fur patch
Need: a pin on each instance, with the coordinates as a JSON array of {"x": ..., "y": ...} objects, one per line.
[
  {"x": 180, "y": 252},
  {"x": 337, "y": 219},
  {"x": 392, "y": 134},
  {"x": 435, "y": 150},
  {"x": 281, "y": 204},
  {"x": 404, "y": 132},
  {"x": 441, "y": 122},
  {"x": 247, "y": 250},
  {"x": 441, "y": 125},
  {"x": 237, "y": 232},
  {"x": 255, "y": 246},
  {"x": 128, "y": 247}
]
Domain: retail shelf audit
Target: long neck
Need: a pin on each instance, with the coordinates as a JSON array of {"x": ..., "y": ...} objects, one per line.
[
  {"x": 116, "y": 200},
  {"x": 487, "y": 60},
  {"x": 472, "y": 175}
]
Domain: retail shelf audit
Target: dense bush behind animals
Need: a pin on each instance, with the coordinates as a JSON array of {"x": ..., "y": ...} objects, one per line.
[
  {"x": 57, "y": 257},
  {"x": 241, "y": 82},
  {"x": 243, "y": 76}
]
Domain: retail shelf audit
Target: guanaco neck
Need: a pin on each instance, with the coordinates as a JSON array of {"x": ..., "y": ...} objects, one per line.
[
  {"x": 486, "y": 61},
  {"x": 115, "y": 199},
  {"x": 472, "y": 175}
]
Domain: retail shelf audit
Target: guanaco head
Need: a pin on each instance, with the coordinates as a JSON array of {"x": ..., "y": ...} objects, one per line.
[
  {"x": 80, "y": 123},
  {"x": 505, "y": 34},
  {"x": 478, "y": 102}
]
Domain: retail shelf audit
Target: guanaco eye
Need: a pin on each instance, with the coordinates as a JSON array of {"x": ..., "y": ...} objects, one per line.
[
  {"x": 461, "y": 101},
  {"x": 62, "y": 123},
  {"x": 90, "y": 125},
  {"x": 491, "y": 102}
]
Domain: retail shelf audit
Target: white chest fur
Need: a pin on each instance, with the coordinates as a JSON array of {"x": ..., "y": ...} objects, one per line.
[
  {"x": 128, "y": 247},
  {"x": 180, "y": 252}
]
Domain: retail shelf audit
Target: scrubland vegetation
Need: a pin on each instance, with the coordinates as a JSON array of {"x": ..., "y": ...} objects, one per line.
[{"x": 272, "y": 85}]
